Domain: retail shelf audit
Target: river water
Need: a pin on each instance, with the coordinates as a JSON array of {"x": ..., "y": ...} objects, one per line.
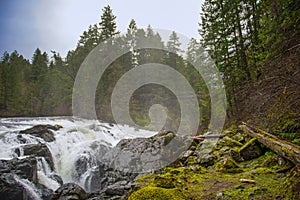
[{"x": 72, "y": 142}]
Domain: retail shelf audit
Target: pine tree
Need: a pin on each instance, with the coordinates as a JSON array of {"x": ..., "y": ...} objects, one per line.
[
  {"x": 131, "y": 41},
  {"x": 174, "y": 44},
  {"x": 108, "y": 26}
]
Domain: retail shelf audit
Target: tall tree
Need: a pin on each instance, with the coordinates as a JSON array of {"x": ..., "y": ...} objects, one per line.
[
  {"x": 108, "y": 25},
  {"x": 174, "y": 44}
]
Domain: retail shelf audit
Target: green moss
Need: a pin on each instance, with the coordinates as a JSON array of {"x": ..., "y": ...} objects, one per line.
[
  {"x": 164, "y": 182},
  {"x": 250, "y": 142},
  {"x": 266, "y": 187},
  {"x": 191, "y": 160},
  {"x": 290, "y": 187},
  {"x": 156, "y": 193},
  {"x": 231, "y": 142},
  {"x": 270, "y": 153},
  {"x": 228, "y": 165}
]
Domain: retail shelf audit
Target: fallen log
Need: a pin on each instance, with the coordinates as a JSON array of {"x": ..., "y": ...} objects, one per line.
[
  {"x": 247, "y": 180},
  {"x": 203, "y": 137},
  {"x": 283, "y": 148}
]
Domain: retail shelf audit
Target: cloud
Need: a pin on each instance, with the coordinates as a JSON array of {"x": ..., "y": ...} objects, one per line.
[{"x": 58, "y": 24}]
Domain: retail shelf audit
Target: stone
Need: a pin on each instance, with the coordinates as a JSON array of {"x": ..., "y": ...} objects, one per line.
[
  {"x": 25, "y": 168},
  {"x": 69, "y": 191},
  {"x": 38, "y": 150},
  {"x": 10, "y": 189},
  {"x": 42, "y": 131}
]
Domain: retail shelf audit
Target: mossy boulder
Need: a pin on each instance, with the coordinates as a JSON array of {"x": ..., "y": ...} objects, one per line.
[
  {"x": 164, "y": 182},
  {"x": 157, "y": 193}
]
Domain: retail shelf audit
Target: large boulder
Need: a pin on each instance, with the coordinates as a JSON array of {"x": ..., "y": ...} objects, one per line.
[
  {"x": 69, "y": 191},
  {"x": 42, "y": 131},
  {"x": 14, "y": 174},
  {"x": 24, "y": 168},
  {"x": 88, "y": 168},
  {"x": 10, "y": 189},
  {"x": 119, "y": 167},
  {"x": 145, "y": 154},
  {"x": 37, "y": 150}
]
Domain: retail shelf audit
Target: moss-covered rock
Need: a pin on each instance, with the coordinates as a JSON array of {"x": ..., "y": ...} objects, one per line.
[
  {"x": 156, "y": 193},
  {"x": 164, "y": 182}
]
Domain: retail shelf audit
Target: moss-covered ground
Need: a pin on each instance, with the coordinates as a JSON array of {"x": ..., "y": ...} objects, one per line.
[{"x": 258, "y": 178}]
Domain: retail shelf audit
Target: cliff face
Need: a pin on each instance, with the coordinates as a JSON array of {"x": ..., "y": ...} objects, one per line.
[{"x": 272, "y": 101}]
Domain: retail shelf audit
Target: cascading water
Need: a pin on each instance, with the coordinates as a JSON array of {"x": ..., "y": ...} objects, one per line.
[
  {"x": 76, "y": 151},
  {"x": 32, "y": 191}
]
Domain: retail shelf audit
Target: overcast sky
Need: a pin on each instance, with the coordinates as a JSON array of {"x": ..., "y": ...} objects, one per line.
[{"x": 57, "y": 24}]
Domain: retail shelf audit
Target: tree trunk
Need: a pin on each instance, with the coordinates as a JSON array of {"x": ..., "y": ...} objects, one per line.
[{"x": 283, "y": 148}]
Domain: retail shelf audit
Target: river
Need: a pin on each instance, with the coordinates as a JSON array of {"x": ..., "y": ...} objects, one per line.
[{"x": 76, "y": 140}]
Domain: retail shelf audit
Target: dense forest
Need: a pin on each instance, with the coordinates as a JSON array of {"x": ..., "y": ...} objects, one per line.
[{"x": 255, "y": 46}]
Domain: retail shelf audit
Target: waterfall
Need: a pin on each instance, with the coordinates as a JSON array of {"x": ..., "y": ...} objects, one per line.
[
  {"x": 30, "y": 188},
  {"x": 76, "y": 151},
  {"x": 45, "y": 173}
]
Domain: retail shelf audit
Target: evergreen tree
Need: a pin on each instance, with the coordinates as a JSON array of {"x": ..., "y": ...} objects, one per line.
[
  {"x": 173, "y": 44},
  {"x": 132, "y": 41},
  {"x": 108, "y": 26}
]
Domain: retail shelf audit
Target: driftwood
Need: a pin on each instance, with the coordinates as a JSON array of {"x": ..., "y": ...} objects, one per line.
[
  {"x": 247, "y": 180},
  {"x": 203, "y": 137},
  {"x": 283, "y": 148}
]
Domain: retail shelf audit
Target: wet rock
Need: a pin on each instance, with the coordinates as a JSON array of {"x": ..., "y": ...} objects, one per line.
[
  {"x": 25, "y": 168},
  {"x": 144, "y": 154},
  {"x": 57, "y": 178},
  {"x": 118, "y": 168},
  {"x": 42, "y": 131},
  {"x": 248, "y": 151},
  {"x": 38, "y": 150},
  {"x": 45, "y": 192},
  {"x": 235, "y": 154},
  {"x": 69, "y": 191},
  {"x": 10, "y": 189},
  {"x": 88, "y": 169},
  {"x": 117, "y": 189}
]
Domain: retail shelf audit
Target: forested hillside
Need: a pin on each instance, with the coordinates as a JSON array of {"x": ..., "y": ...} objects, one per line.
[{"x": 255, "y": 45}]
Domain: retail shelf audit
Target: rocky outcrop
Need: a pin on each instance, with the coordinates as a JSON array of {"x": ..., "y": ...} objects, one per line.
[
  {"x": 129, "y": 158},
  {"x": 37, "y": 150},
  {"x": 42, "y": 131},
  {"x": 69, "y": 191},
  {"x": 10, "y": 189},
  {"x": 24, "y": 168},
  {"x": 145, "y": 154},
  {"x": 13, "y": 173}
]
